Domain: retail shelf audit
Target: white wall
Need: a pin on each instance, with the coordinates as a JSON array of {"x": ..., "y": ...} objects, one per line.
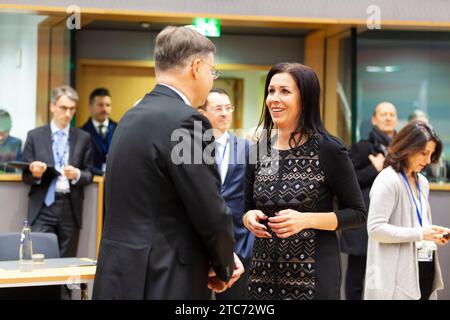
[{"x": 18, "y": 65}]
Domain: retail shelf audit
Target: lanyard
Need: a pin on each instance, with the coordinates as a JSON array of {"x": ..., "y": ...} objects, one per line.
[
  {"x": 419, "y": 212},
  {"x": 60, "y": 158}
]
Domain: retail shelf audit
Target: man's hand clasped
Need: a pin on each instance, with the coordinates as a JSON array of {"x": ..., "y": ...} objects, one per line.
[{"x": 217, "y": 285}]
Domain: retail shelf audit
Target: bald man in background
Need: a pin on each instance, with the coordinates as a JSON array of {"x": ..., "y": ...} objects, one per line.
[{"x": 368, "y": 159}]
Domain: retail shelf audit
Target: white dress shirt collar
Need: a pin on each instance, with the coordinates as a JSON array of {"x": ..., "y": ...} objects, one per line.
[
  {"x": 54, "y": 128},
  {"x": 185, "y": 99},
  {"x": 97, "y": 124},
  {"x": 223, "y": 139}
]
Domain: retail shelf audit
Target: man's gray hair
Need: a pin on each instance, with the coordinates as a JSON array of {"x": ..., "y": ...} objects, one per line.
[
  {"x": 175, "y": 45},
  {"x": 67, "y": 91}
]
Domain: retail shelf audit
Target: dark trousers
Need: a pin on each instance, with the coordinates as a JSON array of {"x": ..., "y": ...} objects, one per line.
[
  {"x": 354, "y": 279},
  {"x": 238, "y": 290},
  {"x": 426, "y": 278},
  {"x": 59, "y": 219}
]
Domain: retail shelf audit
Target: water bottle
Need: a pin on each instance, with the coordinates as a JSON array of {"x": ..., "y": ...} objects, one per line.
[{"x": 25, "y": 249}]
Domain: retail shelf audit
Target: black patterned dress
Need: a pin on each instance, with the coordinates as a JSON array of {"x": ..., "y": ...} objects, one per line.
[{"x": 305, "y": 265}]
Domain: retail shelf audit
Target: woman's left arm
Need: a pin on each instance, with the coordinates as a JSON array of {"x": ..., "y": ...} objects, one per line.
[{"x": 341, "y": 179}]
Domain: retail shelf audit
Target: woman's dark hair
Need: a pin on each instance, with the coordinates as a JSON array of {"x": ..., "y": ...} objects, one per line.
[
  {"x": 309, "y": 122},
  {"x": 411, "y": 139}
]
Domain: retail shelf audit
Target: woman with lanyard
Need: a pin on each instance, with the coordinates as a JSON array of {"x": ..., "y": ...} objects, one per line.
[{"x": 402, "y": 261}]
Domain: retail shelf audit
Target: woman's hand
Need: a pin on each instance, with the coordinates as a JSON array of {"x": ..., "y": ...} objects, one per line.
[
  {"x": 436, "y": 234},
  {"x": 251, "y": 221},
  {"x": 289, "y": 222}
]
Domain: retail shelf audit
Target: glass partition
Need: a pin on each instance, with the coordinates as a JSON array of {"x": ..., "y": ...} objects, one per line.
[{"x": 409, "y": 69}]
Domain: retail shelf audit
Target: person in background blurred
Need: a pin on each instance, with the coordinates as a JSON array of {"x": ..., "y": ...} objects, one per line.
[
  {"x": 56, "y": 194},
  {"x": 231, "y": 156},
  {"x": 100, "y": 127},
  {"x": 10, "y": 147},
  {"x": 368, "y": 159},
  {"x": 419, "y": 115},
  {"x": 402, "y": 261}
]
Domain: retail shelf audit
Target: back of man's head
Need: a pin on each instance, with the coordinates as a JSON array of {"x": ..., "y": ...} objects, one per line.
[
  {"x": 176, "y": 45},
  {"x": 419, "y": 115}
]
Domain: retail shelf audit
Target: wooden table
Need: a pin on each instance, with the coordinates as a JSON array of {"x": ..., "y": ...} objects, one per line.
[{"x": 62, "y": 275}]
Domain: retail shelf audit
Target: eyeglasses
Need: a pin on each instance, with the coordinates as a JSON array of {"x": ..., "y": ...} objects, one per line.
[
  {"x": 214, "y": 72},
  {"x": 65, "y": 109},
  {"x": 218, "y": 109}
]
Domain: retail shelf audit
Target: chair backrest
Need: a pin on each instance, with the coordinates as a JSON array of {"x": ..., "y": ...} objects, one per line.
[{"x": 46, "y": 243}]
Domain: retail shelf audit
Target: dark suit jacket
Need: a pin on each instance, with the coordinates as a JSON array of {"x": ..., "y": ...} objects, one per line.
[
  {"x": 100, "y": 149},
  {"x": 165, "y": 221},
  {"x": 38, "y": 147},
  {"x": 354, "y": 241},
  {"x": 232, "y": 191}
]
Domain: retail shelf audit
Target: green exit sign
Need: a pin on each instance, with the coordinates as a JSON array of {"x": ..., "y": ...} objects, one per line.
[{"x": 207, "y": 27}]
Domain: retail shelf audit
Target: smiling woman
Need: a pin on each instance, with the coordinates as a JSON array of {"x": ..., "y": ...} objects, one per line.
[{"x": 290, "y": 192}]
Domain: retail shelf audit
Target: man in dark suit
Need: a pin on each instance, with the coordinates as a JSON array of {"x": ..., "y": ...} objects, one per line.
[
  {"x": 232, "y": 156},
  {"x": 100, "y": 127},
  {"x": 168, "y": 233},
  {"x": 60, "y": 158},
  {"x": 368, "y": 159}
]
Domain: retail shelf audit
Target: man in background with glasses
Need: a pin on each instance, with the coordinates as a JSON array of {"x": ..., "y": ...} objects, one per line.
[
  {"x": 231, "y": 157},
  {"x": 367, "y": 157},
  {"x": 60, "y": 160}
]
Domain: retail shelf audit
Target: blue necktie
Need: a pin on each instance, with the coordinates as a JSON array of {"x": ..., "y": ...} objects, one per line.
[
  {"x": 58, "y": 146},
  {"x": 50, "y": 197}
]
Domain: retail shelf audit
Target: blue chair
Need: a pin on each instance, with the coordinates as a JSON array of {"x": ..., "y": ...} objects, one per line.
[{"x": 45, "y": 243}]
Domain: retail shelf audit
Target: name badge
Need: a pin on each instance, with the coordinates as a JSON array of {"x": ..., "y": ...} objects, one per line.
[{"x": 425, "y": 251}]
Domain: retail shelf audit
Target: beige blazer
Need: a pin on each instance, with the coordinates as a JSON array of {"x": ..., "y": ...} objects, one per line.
[{"x": 392, "y": 269}]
